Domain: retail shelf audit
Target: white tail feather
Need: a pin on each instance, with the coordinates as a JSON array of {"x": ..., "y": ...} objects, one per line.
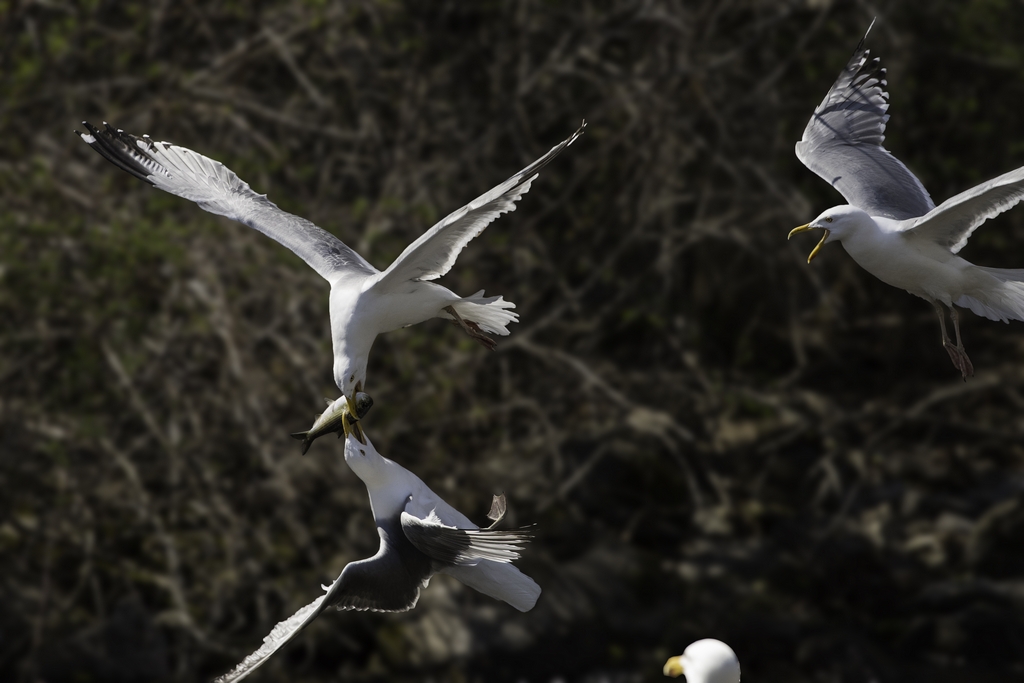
[
  {"x": 490, "y": 313},
  {"x": 1003, "y": 300},
  {"x": 500, "y": 581}
]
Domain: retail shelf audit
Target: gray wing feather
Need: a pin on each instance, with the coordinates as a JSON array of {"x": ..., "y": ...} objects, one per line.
[
  {"x": 376, "y": 585},
  {"x": 952, "y": 222},
  {"x": 434, "y": 253},
  {"x": 451, "y": 546},
  {"x": 389, "y": 581},
  {"x": 382, "y": 583},
  {"x": 217, "y": 189},
  {"x": 842, "y": 143},
  {"x": 281, "y": 634}
]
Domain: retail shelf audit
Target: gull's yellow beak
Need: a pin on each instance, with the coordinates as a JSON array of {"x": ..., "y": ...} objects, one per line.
[
  {"x": 799, "y": 229},
  {"x": 673, "y": 667},
  {"x": 350, "y": 422},
  {"x": 814, "y": 252}
]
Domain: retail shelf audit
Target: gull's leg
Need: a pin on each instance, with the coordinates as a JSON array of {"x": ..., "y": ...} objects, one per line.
[
  {"x": 471, "y": 328},
  {"x": 956, "y": 354},
  {"x": 941, "y": 312},
  {"x": 966, "y": 367}
]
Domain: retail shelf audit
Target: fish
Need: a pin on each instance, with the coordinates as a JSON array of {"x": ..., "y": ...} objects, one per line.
[{"x": 337, "y": 418}]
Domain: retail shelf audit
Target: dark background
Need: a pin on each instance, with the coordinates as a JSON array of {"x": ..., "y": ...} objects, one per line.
[{"x": 714, "y": 438}]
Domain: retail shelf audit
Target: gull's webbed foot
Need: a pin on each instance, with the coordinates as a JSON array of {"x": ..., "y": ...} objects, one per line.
[
  {"x": 960, "y": 360},
  {"x": 472, "y": 329}
]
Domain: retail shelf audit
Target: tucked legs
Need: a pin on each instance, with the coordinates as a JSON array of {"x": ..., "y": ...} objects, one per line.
[
  {"x": 471, "y": 328},
  {"x": 956, "y": 351}
]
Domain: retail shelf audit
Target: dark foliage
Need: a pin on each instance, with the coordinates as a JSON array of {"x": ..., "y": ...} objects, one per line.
[{"x": 714, "y": 438}]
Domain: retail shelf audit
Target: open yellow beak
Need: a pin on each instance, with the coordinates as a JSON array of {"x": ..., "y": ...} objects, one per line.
[
  {"x": 350, "y": 422},
  {"x": 673, "y": 667},
  {"x": 805, "y": 228}
]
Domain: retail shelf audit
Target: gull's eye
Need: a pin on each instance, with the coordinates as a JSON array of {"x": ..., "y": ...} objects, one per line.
[{"x": 828, "y": 219}]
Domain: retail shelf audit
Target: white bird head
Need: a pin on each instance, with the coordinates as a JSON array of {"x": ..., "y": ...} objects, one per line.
[
  {"x": 838, "y": 222},
  {"x": 705, "y": 661},
  {"x": 388, "y": 483},
  {"x": 365, "y": 461},
  {"x": 350, "y": 373}
]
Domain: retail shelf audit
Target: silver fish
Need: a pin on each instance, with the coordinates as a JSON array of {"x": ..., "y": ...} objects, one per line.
[{"x": 342, "y": 416}]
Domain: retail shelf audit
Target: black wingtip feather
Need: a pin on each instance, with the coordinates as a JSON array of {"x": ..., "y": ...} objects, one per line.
[
  {"x": 860, "y": 45},
  {"x": 535, "y": 168},
  {"x": 114, "y": 145}
]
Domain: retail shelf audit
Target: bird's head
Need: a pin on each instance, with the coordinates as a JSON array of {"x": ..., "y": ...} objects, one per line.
[
  {"x": 367, "y": 464},
  {"x": 705, "y": 661},
  {"x": 349, "y": 368},
  {"x": 837, "y": 222}
]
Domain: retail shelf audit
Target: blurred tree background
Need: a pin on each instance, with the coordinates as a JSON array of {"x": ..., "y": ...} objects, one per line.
[{"x": 714, "y": 438}]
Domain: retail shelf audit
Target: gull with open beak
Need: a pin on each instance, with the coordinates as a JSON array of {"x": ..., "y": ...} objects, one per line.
[
  {"x": 890, "y": 225},
  {"x": 364, "y": 301}
]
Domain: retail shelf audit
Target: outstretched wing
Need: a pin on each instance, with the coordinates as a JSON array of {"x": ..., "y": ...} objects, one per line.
[
  {"x": 434, "y": 253},
  {"x": 453, "y": 546},
  {"x": 842, "y": 143},
  {"x": 217, "y": 189},
  {"x": 389, "y": 581},
  {"x": 281, "y": 634},
  {"x": 952, "y": 222}
]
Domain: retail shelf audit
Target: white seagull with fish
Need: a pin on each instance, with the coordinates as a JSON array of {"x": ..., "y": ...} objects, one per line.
[{"x": 364, "y": 301}]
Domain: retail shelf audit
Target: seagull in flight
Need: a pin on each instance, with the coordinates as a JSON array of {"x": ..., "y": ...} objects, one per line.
[
  {"x": 890, "y": 226},
  {"x": 364, "y": 301},
  {"x": 420, "y": 535}
]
